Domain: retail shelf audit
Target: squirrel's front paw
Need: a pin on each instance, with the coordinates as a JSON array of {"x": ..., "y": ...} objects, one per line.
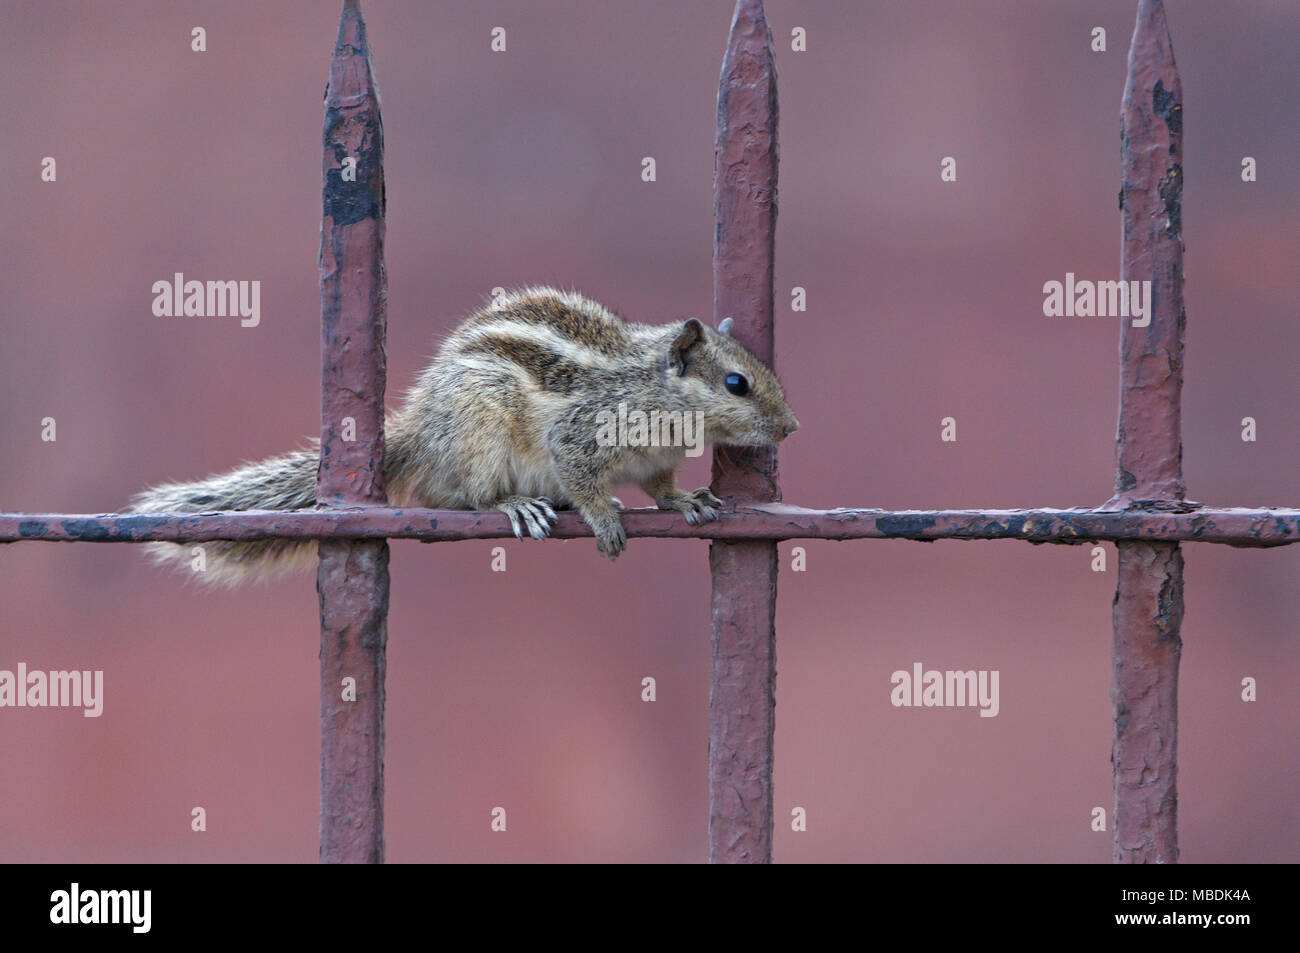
[
  {"x": 535, "y": 515},
  {"x": 698, "y": 506},
  {"x": 611, "y": 538}
]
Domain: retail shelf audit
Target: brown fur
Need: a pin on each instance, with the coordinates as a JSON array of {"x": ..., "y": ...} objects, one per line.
[{"x": 504, "y": 417}]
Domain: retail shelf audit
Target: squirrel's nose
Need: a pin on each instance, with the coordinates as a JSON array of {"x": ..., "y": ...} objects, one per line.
[{"x": 788, "y": 426}]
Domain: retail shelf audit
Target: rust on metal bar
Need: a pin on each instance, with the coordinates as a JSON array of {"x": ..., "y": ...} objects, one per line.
[
  {"x": 1148, "y": 608},
  {"x": 1149, "y": 435},
  {"x": 1148, "y": 612},
  {"x": 352, "y": 578},
  {"x": 742, "y": 690},
  {"x": 1231, "y": 526}
]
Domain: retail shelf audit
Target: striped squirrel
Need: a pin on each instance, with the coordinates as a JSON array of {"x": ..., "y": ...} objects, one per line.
[{"x": 505, "y": 417}]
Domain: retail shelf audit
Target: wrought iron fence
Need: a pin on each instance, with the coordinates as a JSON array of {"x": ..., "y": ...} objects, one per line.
[{"x": 1148, "y": 518}]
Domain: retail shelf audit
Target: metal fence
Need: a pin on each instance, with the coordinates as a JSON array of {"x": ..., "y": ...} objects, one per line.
[{"x": 1148, "y": 518}]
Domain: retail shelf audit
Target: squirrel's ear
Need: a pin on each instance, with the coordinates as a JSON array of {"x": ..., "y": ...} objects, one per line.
[
  {"x": 690, "y": 336},
  {"x": 724, "y": 326}
]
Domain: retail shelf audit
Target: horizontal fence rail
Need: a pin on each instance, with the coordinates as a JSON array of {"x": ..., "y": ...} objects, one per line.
[{"x": 1232, "y": 526}]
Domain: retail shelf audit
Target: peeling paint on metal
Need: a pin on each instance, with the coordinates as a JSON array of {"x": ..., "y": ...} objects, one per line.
[
  {"x": 352, "y": 576},
  {"x": 742, "y": 693}
]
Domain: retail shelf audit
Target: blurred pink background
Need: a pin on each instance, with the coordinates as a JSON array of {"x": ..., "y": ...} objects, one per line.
[{"x": 522, "y": 689}]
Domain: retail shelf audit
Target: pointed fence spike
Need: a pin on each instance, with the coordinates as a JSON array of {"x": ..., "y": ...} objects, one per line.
[
  {"x": 352, "y": 578},
  {"x": 742, "y": 692},
  {"x": 1148, "y": 608}
]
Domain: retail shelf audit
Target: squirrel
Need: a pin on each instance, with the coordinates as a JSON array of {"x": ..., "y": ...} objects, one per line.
[{"x": 508, "y": 416}]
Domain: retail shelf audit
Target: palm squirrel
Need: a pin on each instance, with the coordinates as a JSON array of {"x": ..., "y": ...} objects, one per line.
[{"x": 514, "y": 414}]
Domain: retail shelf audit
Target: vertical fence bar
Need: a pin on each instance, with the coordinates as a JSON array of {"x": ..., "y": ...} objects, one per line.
[
  {"x": 1148, "y": 607},
  {"x": 742, "y": 699},
  {"x": 352, "y": 579}
]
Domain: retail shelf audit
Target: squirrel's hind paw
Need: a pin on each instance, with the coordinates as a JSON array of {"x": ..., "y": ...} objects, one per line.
[
  {"x": 537, "y": 516},
  {"x": 698, "y": 506}
]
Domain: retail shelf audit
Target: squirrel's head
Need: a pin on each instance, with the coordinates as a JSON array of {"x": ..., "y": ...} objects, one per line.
[{"x": 742, "y": 400}]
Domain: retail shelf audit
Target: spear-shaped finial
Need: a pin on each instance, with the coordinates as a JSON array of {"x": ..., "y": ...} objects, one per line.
[
  {"x": 1151, "y": 354},
  {"x": 1148, "y": 608},
  {"x": 352, "y": 579}
]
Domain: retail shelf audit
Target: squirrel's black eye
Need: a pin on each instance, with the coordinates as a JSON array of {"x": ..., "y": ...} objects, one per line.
[{"x": 737, "y": 384}]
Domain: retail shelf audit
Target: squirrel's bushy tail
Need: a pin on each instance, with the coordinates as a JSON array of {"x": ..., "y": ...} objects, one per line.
[{"x": 286, "y": 482}]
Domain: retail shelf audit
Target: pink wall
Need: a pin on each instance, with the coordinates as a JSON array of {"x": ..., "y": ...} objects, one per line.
[{"x": 522, "y": 689}]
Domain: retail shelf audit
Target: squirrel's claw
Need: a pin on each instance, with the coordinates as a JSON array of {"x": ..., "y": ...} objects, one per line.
[
  {"x": 613, "y": 542},
  {"x": 698, "y": 506},
  {"x": 611, "y": 538},
  {"x": 535, "y": 515}
]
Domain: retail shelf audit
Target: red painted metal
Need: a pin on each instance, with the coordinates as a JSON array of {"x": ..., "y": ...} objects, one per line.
[
  {"x": 1149, "y": 435},
  {"x": 1148, "y": 607},
  {"x": 352, "y": 579},
  {"x": 1228, "y": 525},
  {"x": 742, "y": 691},
  {"x": 1147, "y": 614}
]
